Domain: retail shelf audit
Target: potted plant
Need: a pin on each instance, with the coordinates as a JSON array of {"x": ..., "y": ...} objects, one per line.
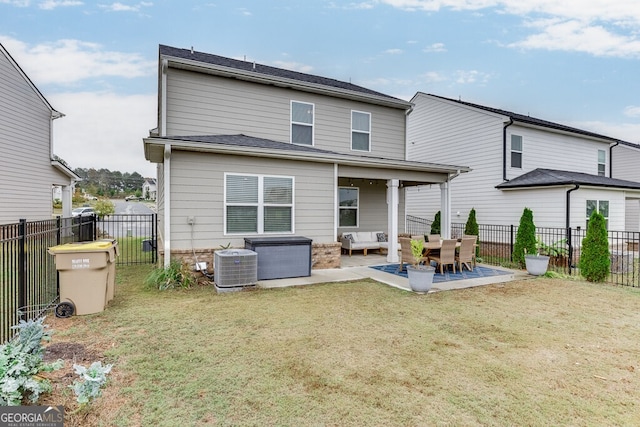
[
  {"x": 420, "y": 276},
  {"x": 538, "y": 263}
]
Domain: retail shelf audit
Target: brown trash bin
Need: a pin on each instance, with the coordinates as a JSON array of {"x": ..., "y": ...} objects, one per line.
[{"x": 87, "y": 276}]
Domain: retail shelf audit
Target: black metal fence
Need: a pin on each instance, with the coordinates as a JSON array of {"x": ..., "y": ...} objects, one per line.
[
  {"x": 497, "y": 242},
  {"x": 28, "y": 275}
]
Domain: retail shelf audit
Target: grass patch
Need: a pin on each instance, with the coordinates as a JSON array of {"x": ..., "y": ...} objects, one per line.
[{"x": 534, "y": 352}]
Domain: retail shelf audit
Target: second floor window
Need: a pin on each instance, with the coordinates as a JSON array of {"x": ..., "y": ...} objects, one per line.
[
  {"x": 516, "y": 151},
  {"x": 360, "y": 131},
  {"x": 602, "y": 162},
  {"x": 301, "y": 123}
]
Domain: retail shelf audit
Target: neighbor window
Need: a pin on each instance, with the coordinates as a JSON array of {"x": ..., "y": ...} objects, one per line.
[
  {"x": 516, "y": 151},
  {"x": 360, "y": 131},
  {"x": 601, "y": 206},
  {"x": 602, "y": 162},
  {"x": 258, "y": 204},
  {"x": 301, "y": 123},
  {"x": 348, "y": 207}
]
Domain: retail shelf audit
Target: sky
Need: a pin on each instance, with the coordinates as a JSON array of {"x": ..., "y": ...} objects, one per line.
[{"x": 574, "y": 62}]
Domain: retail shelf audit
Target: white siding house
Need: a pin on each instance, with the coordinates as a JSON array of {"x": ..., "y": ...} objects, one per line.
[
  {"x": 245, "y": 150},
  {"x": 517, "y": 161},
  {"x": 28, "y": 171},
  {"x": 625, "y": 164},
  {"x": 149, "y": 189}
]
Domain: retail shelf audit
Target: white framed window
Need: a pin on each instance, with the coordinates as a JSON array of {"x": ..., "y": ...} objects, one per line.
[
  {"x": 348, "y": 206},
  {"x": 360, "y": 131},
  {"x": 601, "y": 206},
  {"x": 258, "y": 204},
  {"x": 302, "y": 123},
  {"x": 602, "y": 162},
  {"x": 516, "y": 151}
]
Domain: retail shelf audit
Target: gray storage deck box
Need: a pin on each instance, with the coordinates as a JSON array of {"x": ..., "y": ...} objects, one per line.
[{"x": 281, "y": 257}]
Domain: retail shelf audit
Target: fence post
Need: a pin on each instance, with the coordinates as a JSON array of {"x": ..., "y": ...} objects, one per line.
[
  {"x": 511, "y": 243},
  {"x": 22, "y": 265},
  {"x": 58, "y": 230},
  {"x": 154, "y": 238}
]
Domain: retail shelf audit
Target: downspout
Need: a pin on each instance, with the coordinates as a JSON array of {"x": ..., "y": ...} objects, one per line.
[
  {"x": 568, "y": 226},
  {"x": 504, "y": 149},
  {"x": 611, "y": 158}
]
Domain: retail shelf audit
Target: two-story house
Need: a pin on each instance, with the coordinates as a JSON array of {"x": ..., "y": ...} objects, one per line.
[
  {"x": 149, "y": 189},
  {"x": 246, "y": 150},
  {"x": 561, "y": 173},
  {"x": 28, "y": 168}
]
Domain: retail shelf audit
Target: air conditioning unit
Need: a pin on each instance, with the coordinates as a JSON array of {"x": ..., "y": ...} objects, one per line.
[{"x": 235, "y": 268}]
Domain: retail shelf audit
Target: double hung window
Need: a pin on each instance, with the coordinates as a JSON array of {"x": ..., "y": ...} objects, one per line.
[
  {"x": 600, "y": 206},
  {"x": 348, "y": 206},
  {"x": 360, "y": 131},
  {"x": 516, "y": 151},
  {"x": 258, "y": 204},
  {"x": 602, "y": 162},
  {"x": 301, "y": 123}
]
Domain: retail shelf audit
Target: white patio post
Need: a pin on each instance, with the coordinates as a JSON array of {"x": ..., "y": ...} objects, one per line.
[
  {"x": 392, "y": 215},
  {"x": 66, "y": 201},
  {"x": 445, "y": 210}
]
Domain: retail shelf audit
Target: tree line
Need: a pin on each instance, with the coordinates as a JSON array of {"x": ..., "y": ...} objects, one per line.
[{"x": 106, "y": 183}]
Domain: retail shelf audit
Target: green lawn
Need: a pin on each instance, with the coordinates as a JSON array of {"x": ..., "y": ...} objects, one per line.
[{"x": 536, "y": 352}]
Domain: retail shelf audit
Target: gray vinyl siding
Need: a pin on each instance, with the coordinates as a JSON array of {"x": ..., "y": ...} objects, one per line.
[
  {"x": 446, "y": 132},
  {"x": 197, "y": 189},
  {"x": 26, "y": 174},
  {"x": 199, "y": 104}
]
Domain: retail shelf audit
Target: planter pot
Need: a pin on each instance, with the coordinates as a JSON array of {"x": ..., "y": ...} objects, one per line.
[
  {"x": 420, "y": 278},
  {"x": 536, "y": 264}
]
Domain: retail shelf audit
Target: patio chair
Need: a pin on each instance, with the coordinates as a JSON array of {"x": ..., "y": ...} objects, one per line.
[
  {"x": 447, "y": 255},
  {"x": 433, "y": 238},
  {"x": 405, "y": 252},
  {"x": 465, "y": 256},
  {"x": 475, "y": 245}
]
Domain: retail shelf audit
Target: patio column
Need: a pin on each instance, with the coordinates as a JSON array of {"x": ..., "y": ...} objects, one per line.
[
  {"x": 392, "y": 215},
  {"x": 66, "y": 201},
  {"x": 445, "y": 210}
]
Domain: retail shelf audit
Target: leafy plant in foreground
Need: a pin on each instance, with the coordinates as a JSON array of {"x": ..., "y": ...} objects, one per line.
[
  {"x": 92, "y": 379},
  {"x": 21, "y": 362}
]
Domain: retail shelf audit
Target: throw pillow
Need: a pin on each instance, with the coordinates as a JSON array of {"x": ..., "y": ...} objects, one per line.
[
  {"x": 381, "y": 237},
  {"x": 348, "y": 237}
]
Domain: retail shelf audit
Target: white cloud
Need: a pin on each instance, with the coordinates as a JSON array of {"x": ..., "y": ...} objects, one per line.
[
  {"x": 435, "y": 47},
  {"x": 293, "y": 66},
  {"x": 597, "y": 27},
  {"x": 104, "y": 130},
  {"x": 433, "y": 77},
  {"x": 393, "y": 51},
  {"x": 470, "y": 76},
  {"x": 365, "y": 5},
  {"x": 119, "y": 7},
  {"x": 18, "y": 3},
  {"x": 629, "y": 132},
  {"x": 70, "y": 61},
  {"x": 632, "y": 111},
  {"x": 52, "y": 4}
]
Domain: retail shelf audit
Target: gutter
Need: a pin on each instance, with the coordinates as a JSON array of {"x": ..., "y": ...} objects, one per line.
[
  {"x": 568, "y": 225},
  {"x": 611, "y": 158},
  {"x": 504, "y": 149}
]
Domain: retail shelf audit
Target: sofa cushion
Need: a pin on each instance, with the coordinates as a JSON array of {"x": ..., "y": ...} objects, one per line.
[{"x": 348, "y": 236}]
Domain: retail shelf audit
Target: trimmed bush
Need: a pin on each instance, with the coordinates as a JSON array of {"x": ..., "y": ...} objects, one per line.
[
  {"x": 525, "y": 239},
  {"x": 471, "y": 228},
  {"x": 435, "y": 226},
  {"x": 595, "y": 260}
]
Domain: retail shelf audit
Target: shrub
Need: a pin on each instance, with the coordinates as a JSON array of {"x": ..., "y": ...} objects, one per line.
[
  {"x": 176, "y": 275},
  {"x": 435, "y": 225},
  {"x": 471, "y": 228},
  {"x": 104, "y": 207},
  {"x": 525, "y": 238},
  {"x": 595, "y": 261}
]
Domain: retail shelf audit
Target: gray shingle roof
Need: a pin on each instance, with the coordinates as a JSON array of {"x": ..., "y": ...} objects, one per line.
[
  {"x": 241, "y": 140},
  {"x": 266, "y": 70},
  {"x": 550, "y": 177},
  {"x": 531, "y": 120}
]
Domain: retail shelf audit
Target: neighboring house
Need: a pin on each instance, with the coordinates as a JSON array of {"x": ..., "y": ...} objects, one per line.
[
  {"x": 149, "y": 189},
  {"x": 27, "y": 166},
  {"x": 246, "y": 150},
  {"x": 559, "y": 172},
  {"x": 625, "y": 164}
]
